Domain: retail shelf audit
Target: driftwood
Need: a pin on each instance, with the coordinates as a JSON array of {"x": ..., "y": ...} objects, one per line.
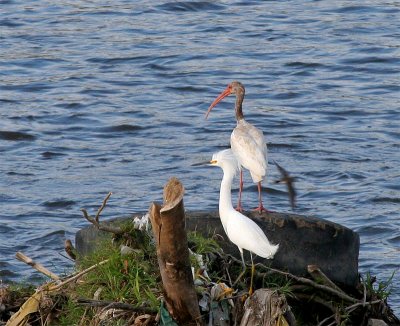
[
  {"x": 168, "y": 224},
  {"x": 39, "y": 267},
  {"x": 266, "y": 308}
]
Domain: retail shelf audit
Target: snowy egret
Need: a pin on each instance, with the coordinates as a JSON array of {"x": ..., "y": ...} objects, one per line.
[
  {"x": 241, "y": 230},
  {"x": 247, "y": 143},
  {"x": 289, "y": 180}
]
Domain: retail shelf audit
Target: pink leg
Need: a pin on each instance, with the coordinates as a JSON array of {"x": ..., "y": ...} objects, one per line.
[
  {"x": 239, "y": 205},
  {"x": 260, "y": 207}
]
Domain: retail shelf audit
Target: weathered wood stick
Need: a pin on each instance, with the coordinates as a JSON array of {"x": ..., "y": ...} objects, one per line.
[
  {"x": 74, "y": 277},
  {"x": 39, "y": 267},
  {"x": 98, "y": 225},
  {"x": 304, "y": 280},
  {"x": 96, "y": 220},
  {"x": 103, "y": 205},
  {"x": 115, "y": 305},
  {"x": 319, "y": 276},
  {"x": 168, "y": 224},
  {"x": 315, "y": 285}
]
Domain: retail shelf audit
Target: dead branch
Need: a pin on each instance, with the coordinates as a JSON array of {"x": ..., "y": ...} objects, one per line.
[
  {"x": 306, "y": 281},
  {"x": 96, "y": 220},
  {"x": 39, "y": 267},
  {"x": 315, "y": 285},
  {"x": 362, "y": 304},
  {"x": 32, "y": 304},
  {"x": 78, "y": 275},
  {"x": 115, "y": 305},
  {"x": 326, "y": 320},
  {"x": 319, "y": 276},
  {"x": 315, "y": 298},
  {"x": 102, "y": 206}
]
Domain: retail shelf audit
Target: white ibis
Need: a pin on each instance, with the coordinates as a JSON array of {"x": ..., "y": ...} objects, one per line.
[
  {"x": 241, "y": 230},
  {"x": 247, "y": 143}
]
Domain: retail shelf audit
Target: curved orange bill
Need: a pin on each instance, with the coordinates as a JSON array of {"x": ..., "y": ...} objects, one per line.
[{"x": 224, "y": 94}]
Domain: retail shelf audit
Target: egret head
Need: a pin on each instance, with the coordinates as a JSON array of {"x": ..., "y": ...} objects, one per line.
[
  {"x": 233, "y": 88},
  {"x": 225, "y": 160}
]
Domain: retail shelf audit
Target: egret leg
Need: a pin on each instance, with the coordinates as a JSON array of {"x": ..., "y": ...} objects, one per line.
[
  {"x": 239, "y": 205},
  {"x": 252, "y": 275},
  {"x": 244, "y": 268},
  {"x": 260, "y": 207}
]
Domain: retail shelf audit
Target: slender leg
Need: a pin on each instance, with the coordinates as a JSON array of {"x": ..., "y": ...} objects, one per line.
[
  {"x": 244, "y": 267},
  {"x": 252, "y": 274},
  {"x": 239, "y": 205},
  {"x": 260, "y": 207}
]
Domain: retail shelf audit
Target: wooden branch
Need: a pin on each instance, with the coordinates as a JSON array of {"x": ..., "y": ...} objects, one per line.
[
  {"x": 102, "y": 207},
  {"x": 32, "y": 305},
  {"x": 364, "y": 292},
  {"x": 326, "y": 320},
  {"x": 362, "y": 304},
  {"x": 115, "y": 305},
  {"x": 318, "y": 275},
  {"x": 306, "y": 281},
  {"x": 76, "y": 276},
  {"x": 96, "y": 220},
  {"x": 168, "y": 224},
  {"x": 39, "y": 267},
  {"x": 315, "y": 298}
]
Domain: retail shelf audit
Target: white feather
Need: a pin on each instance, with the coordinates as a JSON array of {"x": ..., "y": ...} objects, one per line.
[
  {"x": 249, "y": 147},
  {"x": 241, "y": 230}
]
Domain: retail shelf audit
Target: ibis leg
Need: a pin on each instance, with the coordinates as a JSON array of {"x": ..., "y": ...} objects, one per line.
[{"x": 260, "y": 207}]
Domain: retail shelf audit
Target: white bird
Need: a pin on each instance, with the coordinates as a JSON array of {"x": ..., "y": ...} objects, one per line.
[
  {"x": 247, "y": 143},
  {"x": 241, "y": 230}
]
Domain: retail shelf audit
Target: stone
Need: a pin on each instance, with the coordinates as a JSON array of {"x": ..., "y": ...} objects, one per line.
[{"x": 376, "y": 322}]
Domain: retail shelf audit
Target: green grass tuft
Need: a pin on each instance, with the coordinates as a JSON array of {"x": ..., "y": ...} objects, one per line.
[
  {"x": 201, "y": 245},
  {"x": 379, "y": 290}
]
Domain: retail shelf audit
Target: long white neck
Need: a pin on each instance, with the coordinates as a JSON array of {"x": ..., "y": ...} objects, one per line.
[{"x": 225, "y": 198}]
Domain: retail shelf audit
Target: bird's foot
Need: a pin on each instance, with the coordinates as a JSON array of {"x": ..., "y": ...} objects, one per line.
[
  {"x": 251, "y": 291},
  {"x": 244, "y": 297},
  {"x": 226, "y": 291},
  {"x": 261, "y": 209},
  {"x": 239, "y": 208}
]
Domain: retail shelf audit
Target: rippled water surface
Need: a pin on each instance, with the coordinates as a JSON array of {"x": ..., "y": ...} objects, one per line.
[{"x": 98, "y": 97}]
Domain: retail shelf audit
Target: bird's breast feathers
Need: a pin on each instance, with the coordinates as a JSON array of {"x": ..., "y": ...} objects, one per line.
[
  {"x": 246, "y": 234},
  {"x": 250, "y": 150}
]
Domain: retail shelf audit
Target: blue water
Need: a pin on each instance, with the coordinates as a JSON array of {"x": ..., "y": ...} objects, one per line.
[{"x": 98, "y": 97}]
